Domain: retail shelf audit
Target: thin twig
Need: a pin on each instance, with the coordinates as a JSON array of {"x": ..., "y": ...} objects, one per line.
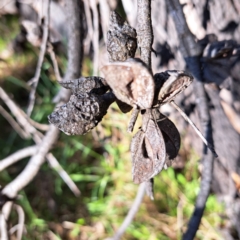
[
  {"x": 32, "y": 168},
  {"x": 105, "y": 13},
  {"x": 88, "y": 38},
  {"x": 37, "y": 125},
  {"x": 13, "y": 123},
  {"x": 23, "y": 120},
  {"x": 55, "y": 164},
  {"x": 95, "y": 36},
  {"x": 184, "y": 115},
  {"x": 36, "y": 77},
  {"x": 54, "y": 61},
  {"x": 132, "y": 212},
  {"x": 17, "y": 112},
  {"x": 3, "y": 227},
  {"x": 21, "y": 219},
  {"x": 233, "y": 117},
  {"x": 23, "y": 153}
]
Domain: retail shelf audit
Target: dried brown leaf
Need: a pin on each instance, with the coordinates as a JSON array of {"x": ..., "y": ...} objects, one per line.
[
  {"x": 170, "y": 134},
  {"x": 170, "y": 83},
  {"x": 148, "y": 151},
  {"x": 131, "y": 82}
]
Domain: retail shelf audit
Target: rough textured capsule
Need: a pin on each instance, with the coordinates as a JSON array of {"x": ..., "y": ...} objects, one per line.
[{"x": 121, "y": 39}]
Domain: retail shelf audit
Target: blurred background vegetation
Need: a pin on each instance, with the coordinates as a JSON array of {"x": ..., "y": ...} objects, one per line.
[{"x": 99, "y": 163}]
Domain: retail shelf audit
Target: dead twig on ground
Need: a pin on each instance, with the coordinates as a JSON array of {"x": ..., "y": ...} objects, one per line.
[
  {"x": 21, "y": 219},
  {"x": 13, "y": 123},
  {"x": 15, "y": 157},
  {"x": 3, "y": 227},
  {"x": 58, "y": 168}
]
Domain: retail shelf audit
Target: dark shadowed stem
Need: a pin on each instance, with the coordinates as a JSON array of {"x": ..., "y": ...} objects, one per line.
[
  {"x": 75, "y": 46},
  {"x": 36, "y": 77},
  {"x": 191, "y": 52},
  {"x": 144, "y": 31}
]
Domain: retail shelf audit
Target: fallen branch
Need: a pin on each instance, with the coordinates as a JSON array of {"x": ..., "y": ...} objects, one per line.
[
  {"x": 63, "y": 174},
  {"x": 21, "y": 219},
  {"x": 15, "y": 157},
  {"x": 3, "y": 227}
]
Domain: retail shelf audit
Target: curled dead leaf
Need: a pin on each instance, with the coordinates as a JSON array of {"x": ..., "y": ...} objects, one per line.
[{"x": 131, "y": 82}]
